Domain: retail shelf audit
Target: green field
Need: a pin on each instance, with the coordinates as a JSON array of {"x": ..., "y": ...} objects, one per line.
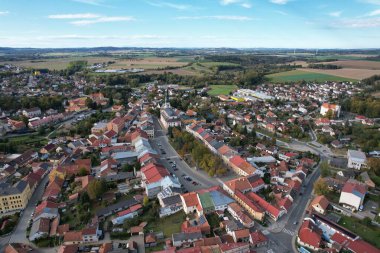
[
  {"x": 299, "y": 75},
  {"x": 369, "y": 233},
  {"x": 221, "y": 89}
]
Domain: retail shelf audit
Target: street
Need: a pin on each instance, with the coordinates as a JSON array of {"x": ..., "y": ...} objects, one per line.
[{"x": 200, "y": 177}]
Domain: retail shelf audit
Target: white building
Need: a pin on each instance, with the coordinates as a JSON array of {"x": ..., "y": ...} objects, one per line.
[
  {"x": 356, "y": 159},
  {"x": 352, "y": 195},
  {"x": 327, "y": 107},
  {"x": 168, "y": 116}
]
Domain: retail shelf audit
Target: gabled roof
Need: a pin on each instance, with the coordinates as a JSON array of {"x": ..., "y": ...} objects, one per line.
[
  {"x": 310, "y": 234},
  {"x": 322, "y": 201}
]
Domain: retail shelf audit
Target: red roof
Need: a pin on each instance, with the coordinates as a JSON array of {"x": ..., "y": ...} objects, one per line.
[
  {"x": 258, "y": 237},
  {"x": 351, "y": 186},
  {"x": 154, "y": 172},
  {"x": 310, "y": 234},
  {"x": 275, "y": 212},
  {"x": 129, "y": 210},
  {"x": 360, "y": 246}
]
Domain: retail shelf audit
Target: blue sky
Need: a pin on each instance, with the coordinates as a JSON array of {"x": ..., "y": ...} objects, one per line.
[{"x": 191, "y": 23}]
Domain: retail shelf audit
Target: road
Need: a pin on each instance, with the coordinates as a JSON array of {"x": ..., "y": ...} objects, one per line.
[
  {"x": 203, "y": 180},
  {"x": 19, "y": 234}
]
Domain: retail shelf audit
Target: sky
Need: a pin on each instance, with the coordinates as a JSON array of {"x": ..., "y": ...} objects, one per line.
[{"x": 190, "y": 23}]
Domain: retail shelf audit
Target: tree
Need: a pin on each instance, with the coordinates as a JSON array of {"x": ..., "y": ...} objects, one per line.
[
  {"x": 96, "y": 188},
  {"x": 329, "y": 114},
  {"x": 84, "y": 198},
  {"x": 325, "y": 169},
  {"x": 146, "y": 201},
  {"x": 320, "y": 187},
  {"x": 374, "y": 165},
  {"x": 82, "y": 172}
]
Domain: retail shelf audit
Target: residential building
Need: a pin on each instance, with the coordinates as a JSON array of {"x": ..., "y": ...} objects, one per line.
[
  {"x": 356, "y": 159},
  {"x": 352, "y": 195}
]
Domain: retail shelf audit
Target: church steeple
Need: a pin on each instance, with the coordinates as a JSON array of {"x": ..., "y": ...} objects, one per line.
[{"x": 167, "y": 102}]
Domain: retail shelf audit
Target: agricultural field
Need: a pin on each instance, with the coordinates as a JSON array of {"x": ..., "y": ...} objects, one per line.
[
  {"x": 58, "y": 63},
  {"x": 217, "y": 90},
  {"x": 149, "y": 63},
  {"x": 374, "y": 65},
  {"x": 357, "y": 74},
  {"x": 300, "y": 75}
]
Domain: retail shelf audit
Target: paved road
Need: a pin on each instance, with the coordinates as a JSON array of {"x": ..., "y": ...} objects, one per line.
[
  {"x": 203, "y": 180},
  {"x": 19, "y": 235}
]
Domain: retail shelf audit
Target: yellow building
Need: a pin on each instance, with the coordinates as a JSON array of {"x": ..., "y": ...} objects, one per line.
[
  {"x": 14, "y": 198},
  {"x": 57, "y": 172}
]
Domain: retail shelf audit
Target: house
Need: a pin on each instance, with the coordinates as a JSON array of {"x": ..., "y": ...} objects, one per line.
[
  {"x": 68, "y": 249},
  {"x": 241, "y": 235},
  {"x": 40, "y": 228},
  {"x": 185, "y": 239},
  {"x": 352, "y": 195},
  {"x": 32, "y": 112},
  {"x": 256, "y": 182},
  {"x": 21, "y": 248},
  {"x": 356, "y": 159},
  {"x": 367, "y": 180},
  {"x": 309, "y": 235},
  {"x": 91, "y": 234},
  {"x": 239, "y": 214},
  {"x": 258, "y": 239},
  {"x": 190, "y": 202},
  {"x": 72, "y": 237},
  {"x": 319, "y": 204},
  {"x": 150, "y": 240},
  {"x": 335, "y": 109},
  {"x": 128, "y": 213},
  {"x": 241, "y": 166}
]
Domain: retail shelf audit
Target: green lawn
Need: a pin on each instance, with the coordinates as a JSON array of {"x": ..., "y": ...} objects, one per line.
[
  {"x": 370, "y": 233},
  {"x": 221, "y": 89},
  {"x": 168, "y": 225},
  {"x": 299, "y": 75}
]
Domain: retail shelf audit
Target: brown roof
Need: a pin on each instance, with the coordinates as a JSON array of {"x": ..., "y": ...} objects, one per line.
[
  {"x": 321, "y": 200},
  {"x": 68, "y": 249},
  {"x": 73, "y": 236}
]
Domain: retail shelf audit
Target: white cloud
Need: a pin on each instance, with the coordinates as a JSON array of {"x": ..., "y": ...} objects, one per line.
[
  {"x": 216, "y": 17},
  {"x": 279, "y": 1},
  {"x": 335, "y": 14},
  {"x": 358, "y": 23},
  {"x": 3, "y": 13},
  {"x": 242, "y": 3},
  {"x": 170, "y": 5},
  {"x": 74, "y": 16},
  {"x": 84, "y": 22},
  {"x": 373, "y": 13}
]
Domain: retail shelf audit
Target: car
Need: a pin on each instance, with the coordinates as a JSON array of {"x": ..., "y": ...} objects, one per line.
[
  {"x": 175, "y": 169},
  {"x": 295, "y": 223}
]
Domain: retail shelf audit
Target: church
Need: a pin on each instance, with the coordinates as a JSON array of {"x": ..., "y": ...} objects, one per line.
[{"x": 168, "y": 117}]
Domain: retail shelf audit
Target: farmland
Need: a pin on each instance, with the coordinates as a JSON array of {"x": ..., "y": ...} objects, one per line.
[
  {"x": 221, "y": 89},
  {"x": 374, "y": 65},
  {"x": 357, "y": 74},
  {"x": 149, "y": 63},
  {"x": 299, "y": 75}
]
